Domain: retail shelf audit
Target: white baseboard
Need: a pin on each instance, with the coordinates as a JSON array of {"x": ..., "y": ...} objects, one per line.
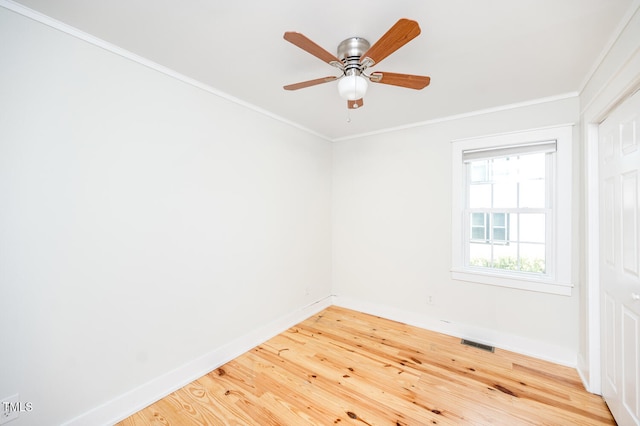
[
  {"x": 135, "y": 400},
  {"x": 590, "y": 383},
  {"x": 510, "y": 342},
  {"x": 583, "y": 373}
]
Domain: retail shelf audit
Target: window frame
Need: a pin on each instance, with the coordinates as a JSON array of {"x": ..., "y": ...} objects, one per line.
[{"x": 557, "y": 279}]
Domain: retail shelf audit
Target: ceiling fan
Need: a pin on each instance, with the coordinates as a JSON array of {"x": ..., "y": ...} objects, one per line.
[{"x": 355, "y": 56}]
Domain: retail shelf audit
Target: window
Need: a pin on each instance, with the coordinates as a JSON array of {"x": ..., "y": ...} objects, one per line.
[
  {"x": 507, "y": 207},
  {"x": 512, "y": 210}
]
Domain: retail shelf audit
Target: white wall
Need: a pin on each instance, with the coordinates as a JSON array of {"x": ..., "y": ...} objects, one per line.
[
  {"x": 143, "y": 222},
  {"x": 392, "y": 237}
]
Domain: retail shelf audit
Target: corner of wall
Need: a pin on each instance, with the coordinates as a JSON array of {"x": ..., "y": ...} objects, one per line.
[
  {"x": 129, "y": 403},
  {"x": 513, "y": 343}
]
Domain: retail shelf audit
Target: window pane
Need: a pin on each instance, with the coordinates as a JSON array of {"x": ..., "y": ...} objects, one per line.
[
  {"x": 532, "y": 227},
  {"x": 512, "y": 225},
  {"x": 505, "y": 195},
  {"x": 504, "y": 169},
  {"x": 505, "y": 257},
  {"x": 478, "y": 171},
  {"x": 500, "y": 169},
  {"x": 499, "y": 226},
  {"x": 480, "y": 196},
  {"x": 477, "y": 233},
  {"x": 532, "y": 194},
  {"x": 477, "y": 219},
  {"x": 532, "y": 258},
  {"x": 532, "y": 166},
  {"x": 499, "y": 234},
  {"x": 480, "y": 254}
]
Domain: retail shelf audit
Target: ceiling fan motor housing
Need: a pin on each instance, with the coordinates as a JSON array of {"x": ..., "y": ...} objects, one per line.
[{"x": 350, "y": 51}]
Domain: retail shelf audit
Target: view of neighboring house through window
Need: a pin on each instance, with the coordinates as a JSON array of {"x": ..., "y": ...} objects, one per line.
[{"x": 507, "y": 207}]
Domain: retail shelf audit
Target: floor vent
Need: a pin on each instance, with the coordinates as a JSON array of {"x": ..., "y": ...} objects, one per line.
[{"x": 478, "y": 345}]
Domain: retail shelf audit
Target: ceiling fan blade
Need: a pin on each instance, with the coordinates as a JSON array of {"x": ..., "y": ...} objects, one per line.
[
  {"x": 403, "y": 80},
  {"x": 355, "y": 104},
  {"x": 304, "y": 43},
  {"x": 309, "y": 83},
  {"x": 400, "y": 34}
]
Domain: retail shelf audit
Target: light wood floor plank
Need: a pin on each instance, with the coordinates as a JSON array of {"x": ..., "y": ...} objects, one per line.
[{"x": 342, "y": 367}]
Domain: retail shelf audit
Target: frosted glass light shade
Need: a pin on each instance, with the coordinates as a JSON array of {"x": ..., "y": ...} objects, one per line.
[{"x": 352, "y": 87}]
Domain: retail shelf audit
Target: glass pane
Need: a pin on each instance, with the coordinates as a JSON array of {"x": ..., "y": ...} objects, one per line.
[
  {"x": 532, "y": 227},
  {"x": 478, "y": 171},
  {"x": 512, "y": 225},
  {"x": 532, "y": 194},
  {"x": 505, "y": 195},
  {"x": 477, "y": 233},
  {"x": 532, "y": 166},
  {"x": 479, "y": 196},
  {"x": 499, "y": 234},
  {"x": 477, "y": 219},
  {"x": 505, "y": 257},
  {"x": 499, "y": 169},
  {"x": 503, "y": 169},
  {"x": 532, "y": 258},
  {"x": 499, "y": 219},
  {"x": 480, "y": 254}
]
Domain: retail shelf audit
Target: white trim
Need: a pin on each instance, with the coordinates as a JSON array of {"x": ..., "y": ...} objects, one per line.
[
  {"x": 510, "y": 281},
  {"x": 74, "y": 32},
  {"x": 617, "y": 81},
  {"x": 559, "y": 280},
  {"x": 513, "y": 133},
  {"x": 580, "y": 369},
  {"x": 510, "y": 342},
  {"x": 592, "y": 242},
  {"x": 615, "y": 37},
  {"x": 135, "y": 400},
  {"x": 491, "y": 110}
]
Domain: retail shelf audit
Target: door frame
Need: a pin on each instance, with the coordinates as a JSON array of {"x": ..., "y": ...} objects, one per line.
[{"x": 605, "y": 103}]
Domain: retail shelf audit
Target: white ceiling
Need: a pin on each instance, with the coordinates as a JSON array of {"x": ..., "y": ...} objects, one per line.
[{"x": 479, "y": 53}]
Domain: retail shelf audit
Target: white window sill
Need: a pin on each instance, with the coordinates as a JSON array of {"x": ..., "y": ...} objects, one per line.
[{"x": 512, "y": 281}]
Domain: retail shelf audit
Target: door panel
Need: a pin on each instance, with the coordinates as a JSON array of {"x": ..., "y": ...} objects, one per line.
[
  {"x": 629, "y": 223},
  {"x": 609, "y": 344},
  {"x": 608, "y": 243},
  {"x": 630, "y": 331},
  {"x": 619, "y": 167}
]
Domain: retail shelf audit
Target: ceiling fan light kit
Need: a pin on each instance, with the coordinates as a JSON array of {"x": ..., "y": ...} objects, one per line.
[
  {"x": 355, "y": 55},
  {"x": 352, "y": 87}
]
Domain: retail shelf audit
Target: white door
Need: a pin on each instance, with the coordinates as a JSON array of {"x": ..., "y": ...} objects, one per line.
[{"x": 619, "y": 181}]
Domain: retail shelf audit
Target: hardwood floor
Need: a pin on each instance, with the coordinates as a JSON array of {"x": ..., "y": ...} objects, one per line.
[{"x": 342, "y": 367}]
